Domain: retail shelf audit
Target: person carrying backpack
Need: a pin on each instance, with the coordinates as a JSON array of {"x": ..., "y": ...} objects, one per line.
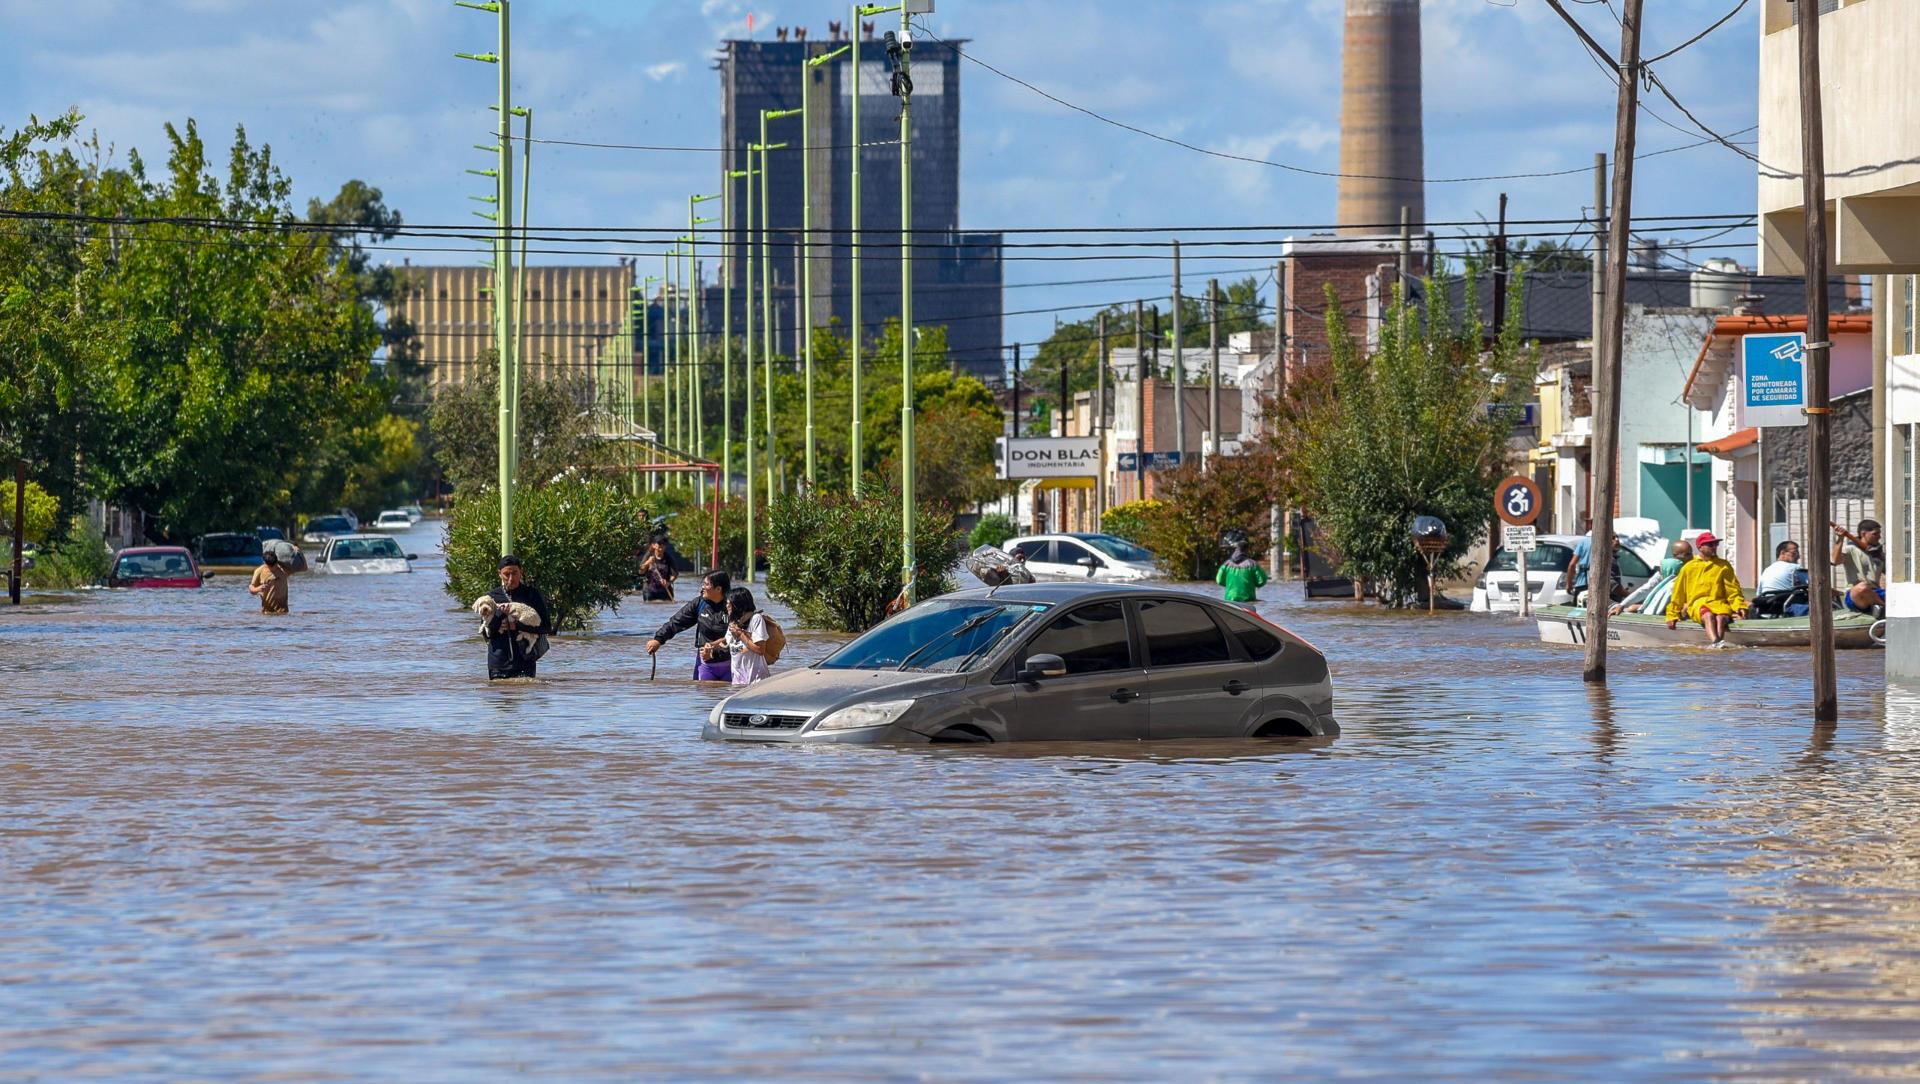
[
  {"x": 707, "y": 617},
  {"x": 753, "y": 640}
]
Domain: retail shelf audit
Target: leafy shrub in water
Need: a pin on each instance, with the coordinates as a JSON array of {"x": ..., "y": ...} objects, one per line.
[
  {"x": 82, "y": 559},
  {"x": 836, "y": 559},
  {"x": 992, "y": 530},
  {"x": 578, "y": 540}
]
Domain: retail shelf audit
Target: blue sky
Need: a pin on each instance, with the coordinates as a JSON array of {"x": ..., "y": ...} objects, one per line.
[{"x": 370, "y": 89}]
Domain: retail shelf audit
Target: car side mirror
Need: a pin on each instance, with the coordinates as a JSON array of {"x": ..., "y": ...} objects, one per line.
[
  {"x": 413, "y": 557},
  {"x": 1042, "y": 666},
  {"x": 206, "y": 574},
  {"x": 1091, "y": 563}
]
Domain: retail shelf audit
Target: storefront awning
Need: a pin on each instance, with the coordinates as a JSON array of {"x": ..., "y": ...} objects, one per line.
[{"x": 1731, "y": 443}]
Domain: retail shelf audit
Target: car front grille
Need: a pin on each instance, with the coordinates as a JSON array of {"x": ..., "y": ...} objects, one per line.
[{"x": 758, "y": 721}]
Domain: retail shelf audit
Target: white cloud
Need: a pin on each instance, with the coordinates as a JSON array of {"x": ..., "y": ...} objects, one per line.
[{"x": 657, "y": 72}]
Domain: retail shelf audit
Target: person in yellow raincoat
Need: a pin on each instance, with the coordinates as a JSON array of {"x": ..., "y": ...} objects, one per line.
[{"x": 1707, "y": 590}]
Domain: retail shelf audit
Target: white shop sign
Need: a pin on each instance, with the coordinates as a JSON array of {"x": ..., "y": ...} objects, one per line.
[{"x": 1049, "y": 457}]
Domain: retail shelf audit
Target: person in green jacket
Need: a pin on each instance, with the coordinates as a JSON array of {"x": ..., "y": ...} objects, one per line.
[{"x": 1241, "y": 577}]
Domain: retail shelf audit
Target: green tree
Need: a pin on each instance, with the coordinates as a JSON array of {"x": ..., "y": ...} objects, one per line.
[
  {"x": 42, "y": 512},
  {"x": 836, "y": 560},
  {"x": 579, "y": 540},
  {"x": 1407, "y": 431},
  {"x": 556, "y": 433}
]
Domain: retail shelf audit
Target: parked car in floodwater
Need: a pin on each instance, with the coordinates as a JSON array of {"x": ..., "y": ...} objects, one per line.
[
  {"x": 393, "y": 520},
  {"x": 223, "y": 552},
  {"x": 321, "y": 528},
  {"x": 1084, "y": 557},
  {"x": 1498, "y": 590},
  {"x": 155, "y": 566},
  {"x": 363, "y": 554},
  {"x": 1047, "y": 662}
]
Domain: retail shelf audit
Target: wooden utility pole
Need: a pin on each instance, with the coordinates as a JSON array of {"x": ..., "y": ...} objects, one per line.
[
  {"x": 1213, "y": 371},
  {"x": 1813, "y": 168},
  {"x": 1606, "y": 369},
  {"x": 1097, "y": 422},
  {"x": 1500, "y": 291},
  {"x": 19, "y": 530},
  {"x": 1140, "y": 394}
]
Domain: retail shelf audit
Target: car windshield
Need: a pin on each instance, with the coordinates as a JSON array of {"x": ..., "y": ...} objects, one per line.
[
  {"x": 389, "y": 517},
  {"x": 1546, "y": 557},
  {"x": 939, "y": 635},
  {"x": 229, "y": 545},
  {"x": 366, "y": 549},
  {"x": 143, "y": 566},
  {"x": 1118, "y": 548},
  {"x": 328, "y": 525}
]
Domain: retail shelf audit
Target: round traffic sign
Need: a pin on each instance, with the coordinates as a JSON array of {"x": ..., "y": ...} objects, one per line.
[{"x": 1517, "y": 500}]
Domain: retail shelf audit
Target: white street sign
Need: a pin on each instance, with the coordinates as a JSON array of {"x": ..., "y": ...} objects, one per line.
[{"x": 1517, "y": 539}]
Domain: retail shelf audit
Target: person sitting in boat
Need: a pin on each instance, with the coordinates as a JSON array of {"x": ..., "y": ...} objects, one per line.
[
  {"x": 1782, "y": 589},
  {"x": 1652, "y": 596},
  {"x": 1707, "y": 590},
  {"x": 1864, "y": 564}
]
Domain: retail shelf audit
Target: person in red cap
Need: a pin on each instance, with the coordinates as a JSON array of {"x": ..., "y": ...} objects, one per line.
[{"x": 1708, "y": 591}]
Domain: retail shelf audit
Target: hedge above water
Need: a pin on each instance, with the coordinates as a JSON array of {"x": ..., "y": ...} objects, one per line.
[
  {"x": 578, "y": 541},
  {"x": 836, "y": 559}
]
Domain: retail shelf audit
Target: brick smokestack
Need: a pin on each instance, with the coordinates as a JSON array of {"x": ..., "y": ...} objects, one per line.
[{"x": 1380, "y": 133}]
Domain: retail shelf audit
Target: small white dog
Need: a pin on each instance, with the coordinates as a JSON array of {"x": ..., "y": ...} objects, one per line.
[{"x": 522, "y": 614}]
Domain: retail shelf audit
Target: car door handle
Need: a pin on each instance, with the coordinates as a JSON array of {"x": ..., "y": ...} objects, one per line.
[
  {"x": 1236, "y": 686},
  {"x": 1124, "y": 695}
]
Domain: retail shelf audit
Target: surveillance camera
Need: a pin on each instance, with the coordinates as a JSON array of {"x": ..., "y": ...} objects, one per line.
[{"x": 898, "y": 44}]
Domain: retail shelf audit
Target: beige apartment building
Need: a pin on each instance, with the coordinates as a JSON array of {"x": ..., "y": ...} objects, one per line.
[
  {"x": 573, "y": 314},
  {"x": 1870, "y": 110}
]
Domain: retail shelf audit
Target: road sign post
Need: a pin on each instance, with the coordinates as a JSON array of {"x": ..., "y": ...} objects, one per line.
[{"x": 1516, "y": 501}]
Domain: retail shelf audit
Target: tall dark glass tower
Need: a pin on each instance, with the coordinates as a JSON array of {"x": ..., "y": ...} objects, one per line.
[{"x": 957, "y": 274}]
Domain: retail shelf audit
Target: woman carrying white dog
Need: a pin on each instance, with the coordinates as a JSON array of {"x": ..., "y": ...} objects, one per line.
[{"x": 507, "y": 653}]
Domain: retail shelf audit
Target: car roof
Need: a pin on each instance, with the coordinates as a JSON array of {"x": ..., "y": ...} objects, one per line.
[
  {"x": 156, "y": 549},
  {"x": 229, "y": 534},
  {"x": 361, "y": 535},
  {"x": 1056, "y": 593}
]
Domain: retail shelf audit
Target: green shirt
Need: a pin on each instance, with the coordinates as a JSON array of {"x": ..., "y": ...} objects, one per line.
[
  {"x": 1241, "y": 580},
  {"x": 1859, "y": 566}
]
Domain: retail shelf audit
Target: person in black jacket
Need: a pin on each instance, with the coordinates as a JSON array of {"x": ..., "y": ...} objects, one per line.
[
  {"x": 707, "y": 617},
  {"x": 507, "y": 656}
]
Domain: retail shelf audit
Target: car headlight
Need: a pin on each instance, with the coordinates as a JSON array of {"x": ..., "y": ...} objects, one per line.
[
  {"x": 860, "y": 716},
  {"x": 713, "y": 717}
]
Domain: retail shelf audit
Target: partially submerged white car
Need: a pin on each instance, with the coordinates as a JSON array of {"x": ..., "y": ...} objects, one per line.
[
  {"x": 394, "y": 520},
  {"x": 1498, "y": 590},
  {"x": 363, "y": 554}
]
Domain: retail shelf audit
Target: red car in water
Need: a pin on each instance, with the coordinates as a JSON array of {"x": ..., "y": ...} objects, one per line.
[{"x": 155, "y": 566}]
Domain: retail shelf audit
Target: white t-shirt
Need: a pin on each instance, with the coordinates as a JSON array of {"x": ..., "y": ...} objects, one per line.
[
  {"x": 1778, "y": 576},
  {"x": 747, "y": 666}
]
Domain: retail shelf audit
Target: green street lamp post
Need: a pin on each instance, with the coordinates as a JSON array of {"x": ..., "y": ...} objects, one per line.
[
  {"x": 504, "y": 339},
  {"x": 726, "y": 322},
  {"x": 806, "y": 229},
  {"x": 766, "y": 280},
  {"x": 694, "y": 222},
  {"x": 746, "y": 435}
]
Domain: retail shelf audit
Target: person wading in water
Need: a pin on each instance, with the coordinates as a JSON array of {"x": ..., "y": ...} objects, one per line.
[
  {"x": 507, "y": 655},
  {"x": 707, "y": 617}
]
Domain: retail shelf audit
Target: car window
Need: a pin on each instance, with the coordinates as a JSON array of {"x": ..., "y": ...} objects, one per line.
[
  {"x": 1119, "y": 548},
  {"x": 1546, "y": 557},
  {"x": 1259, "y": 643},
  {"x": 1039, "y": 551},
  {"x": 1181, "y": 634},
  {"x": 1070, "y": 553},
  {"x": 1092, "y": 639},
  {"x": 1631, "y": 564}
]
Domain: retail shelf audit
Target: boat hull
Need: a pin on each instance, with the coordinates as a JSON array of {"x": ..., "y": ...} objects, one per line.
[{"x": 1568, "y": 625}]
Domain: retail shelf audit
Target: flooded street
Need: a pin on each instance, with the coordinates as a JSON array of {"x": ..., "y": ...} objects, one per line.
[{"x": 324, "y": 847}]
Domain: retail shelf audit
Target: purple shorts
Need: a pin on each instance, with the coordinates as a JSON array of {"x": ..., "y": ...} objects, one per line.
[{"x": 714, "y": 671}]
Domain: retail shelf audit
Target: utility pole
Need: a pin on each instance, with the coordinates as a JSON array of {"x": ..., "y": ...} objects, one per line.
[
  {"x": 746, "y": 432},
  {"x": 1606, "y": 371},
  {"x": 909, "y": 509},
  {"x": 19, "y": 529},
  {"x": 1213, "y": 371},
  {"x": 1818, "y": 357},
  {"x": 1278, "y": 518},
  {"x": 1179, "y": 366},
  {"x": 1500, "y": 279},
  {"x": 766, "y": 282},
  {"x": 1598, "y": 261},
  {"x": 1140, "y": 394},
  {"x": 1097, "y": 425},
  {"x": 1406, "y": 248},
  {"x": 1013, "y": 429},
  {"x": 806, "y": 225}
]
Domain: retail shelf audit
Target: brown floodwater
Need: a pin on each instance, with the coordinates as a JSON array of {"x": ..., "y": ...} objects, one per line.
[{"x": 323, "y": 847}]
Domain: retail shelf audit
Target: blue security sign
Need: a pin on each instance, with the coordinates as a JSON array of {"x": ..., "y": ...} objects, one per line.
[
  {"x": 1773, "y": 380},
  {"x": 1130, "y": 461}
]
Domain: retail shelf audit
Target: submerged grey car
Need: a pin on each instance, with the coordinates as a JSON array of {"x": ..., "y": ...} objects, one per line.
[{"x": 1047, "y": 662}]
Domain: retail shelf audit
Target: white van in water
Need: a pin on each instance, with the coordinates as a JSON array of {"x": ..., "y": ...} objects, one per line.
[{"x": 363, "y": 554}]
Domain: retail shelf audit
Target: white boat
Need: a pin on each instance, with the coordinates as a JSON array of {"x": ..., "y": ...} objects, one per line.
[{"x": 1568, "y": 625}]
